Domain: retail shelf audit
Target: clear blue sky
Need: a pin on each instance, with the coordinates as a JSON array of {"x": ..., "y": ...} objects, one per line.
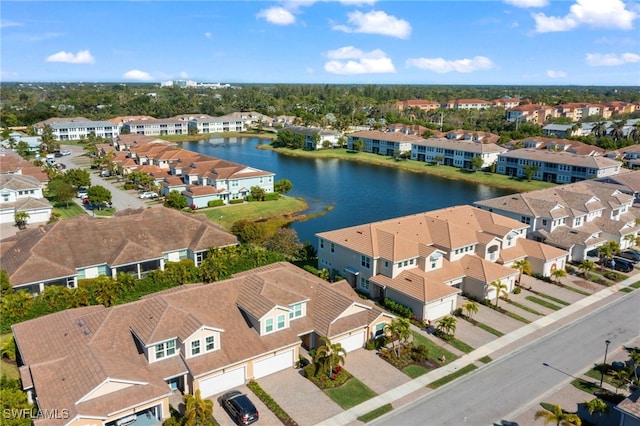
[{"x": 527, "y": 42}]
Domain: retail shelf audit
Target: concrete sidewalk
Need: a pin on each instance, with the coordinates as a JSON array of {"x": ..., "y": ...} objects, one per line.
[{"x": 401, "y": 393}]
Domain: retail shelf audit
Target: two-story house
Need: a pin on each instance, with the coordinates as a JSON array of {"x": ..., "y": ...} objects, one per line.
[
  {"x": 424, "y": 260},
  {"x": 315, "y": 138},
  {"x": 383, "y": 143},
  {"x": 577, "y": 217},
  {"x": 454, "y": 152},
  {"x": 23, "y": 193},
  {"x": 109, "y": 366}
]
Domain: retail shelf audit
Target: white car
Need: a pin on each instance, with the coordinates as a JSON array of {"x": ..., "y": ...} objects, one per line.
[
  {"x": 81, "y": 194},
  {"x": 148, "y": 194},
  {"x": 65, "y": 152}
]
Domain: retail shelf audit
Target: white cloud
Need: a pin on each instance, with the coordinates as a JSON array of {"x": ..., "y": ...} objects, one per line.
[
  {"x": 556, "y": 74},
  {"x": 277, "y": 15},
  {"x": 137, "y": 75},
  {"x": 594, "y": 13},
  {"x": 184, "y": 74},
  {"x": 6, "y": 24},
  {"x": 527, "y": 3},
  {"x": 441, "y": 65},
  {"x": 611, "y": 59},
  {"x": 351, "y": 60},
  {"x": 208, "y": 35},
  {"x": 82, "y": 57},
  {"x": 376, "y": 22}
]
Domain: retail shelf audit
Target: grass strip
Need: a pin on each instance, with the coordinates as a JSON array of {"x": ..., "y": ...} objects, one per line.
[
  {"x": 485, "y": 359},
  {"x": 576, "y": 290},
  {"x": 488, "y": 329},
  {"x": 626, "y": 290},
  {"x": 460, "y": 345},
  {"x": 553, "y": 299},
  {"x": 269, "y": 402},
  {"x": 585, "y": 386},
  {"x": 635, "y": 285},
  {"x": 525, "y": 308},
  {"x": 350, "y": 394},
  {"x": 517, "y": 317},
  {"x": 542, "y": 302},
  {"x": 414, "y": 371},
  {"x": 374, "y": 414},
  {"x": 448, "y": 378}
]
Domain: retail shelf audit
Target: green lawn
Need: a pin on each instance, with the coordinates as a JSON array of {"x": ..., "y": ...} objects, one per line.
[
  {"x": 542, "y": 302},
  {"x": 485, "y": 359},
  {"x": 553, "y": 299},
  {"x": 446, "y": 379},
  {"x": 9, "y": 369},
  {"x": 447, "y": 172},
  {"x": 225, "y": 216},
  {"x": 635, "y": 285},
  {"x": 72, "y": 210},
  {"x": 586, "y": 386},
  {"x": 374, "y": 414},
  {"x": 435, "y": 351},
  {"x": 350, "y": 394},
  {"x": 414, "y": 371}
]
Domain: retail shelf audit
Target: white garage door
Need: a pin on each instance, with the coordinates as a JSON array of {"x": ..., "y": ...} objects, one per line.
[
  {"x": 271, "y": 365},
  {"x": 222, "y": 382},
  {"x": 439, "y": 310},
  {"x": 353, "y": 342}
]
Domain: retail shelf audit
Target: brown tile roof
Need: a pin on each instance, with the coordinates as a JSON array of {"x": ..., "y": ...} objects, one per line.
[
  {"x": 129, "y": 237},
  {"x": 596, "y": 162},
  {"x": 385, "y": 136},
  {"x": 417, "y": 284},
  {"x": 631, "y": 406}
]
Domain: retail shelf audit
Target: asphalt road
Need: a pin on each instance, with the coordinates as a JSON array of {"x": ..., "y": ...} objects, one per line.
[
  {"x": 488, "y": 395},
  {"x": 120, "y": 199}
]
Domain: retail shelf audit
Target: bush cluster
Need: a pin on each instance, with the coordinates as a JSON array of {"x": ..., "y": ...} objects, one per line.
[
  {"x": 397, "y": 308},
  {"x": 338, "y": 377},
  {"x": 215, "y": 203},
  {"x": 236, "y": 201},
  {"x": 269, "y": 402}
]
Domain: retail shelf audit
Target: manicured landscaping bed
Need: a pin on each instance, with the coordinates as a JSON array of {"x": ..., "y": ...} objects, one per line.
[
  {"x": 350, "y": 393},
  {"x": 271, "y": 404}
]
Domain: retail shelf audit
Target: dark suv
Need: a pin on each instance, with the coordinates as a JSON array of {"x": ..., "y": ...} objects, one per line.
[
  {"x": 239, "y": 407},
  {"x": 618, "y": 264},
  {"x": 630, "y": 255}
]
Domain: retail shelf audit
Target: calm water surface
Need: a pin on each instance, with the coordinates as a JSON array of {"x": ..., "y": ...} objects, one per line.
[{"x": 357, "y": 193}]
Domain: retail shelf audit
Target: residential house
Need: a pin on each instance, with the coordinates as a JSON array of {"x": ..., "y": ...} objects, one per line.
[
  {"x": 506, "y": 102},
  {"x": 530, "y": 113},
  {"x": 12, "y": 163},
  {"x": 135, "y": 242},
  {"x": 425, "y": 260},
  {"x": 383, "y": 143},
  {"x": 472, "y": 136},
  {"x": 315, "y": 138},
  {"x": 38, "y": 127},
  {"x": 33, "y": 143},
  {"x": 559, "y": 145},
  {"x": 156, "y": 127},
  {"x": 453, "y": 152},
  {"x": 575, "y": 217},
  {"x": 558, "y": 167},
  {"x": 628, "y": 181},
  {"x": 23, "y": 193},
  {"x": 468, "y": 104},
  {"x": 421, "y": 104},
  {"x": 119, "y": 365},
  {"x": 629, "y": 409}
]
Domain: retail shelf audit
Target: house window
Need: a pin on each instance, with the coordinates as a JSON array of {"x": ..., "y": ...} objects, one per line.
[
  {"x": 165, "y": 349},
  {"x": 195, "y": 347},
  {"x": 365, "y": 261},
  {"x": 296, "y": 311},
  {"x": 210, "y": 343},
  {"x": 386, "y": 263},
  {"x": 333, "y": 248},
  {"x": 321, "y": 243},
  {"x": 379, "y": 329},
  {"x": 268, "y": 326},
  {"x": 280, "y": 322},
  {"x": 364, "y": 283},
  {"x": 544, "y": 222},
  {"x": 433, "y": 265}
]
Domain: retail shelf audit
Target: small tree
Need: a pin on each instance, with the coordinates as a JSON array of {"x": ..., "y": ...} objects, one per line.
[
  {"x": 329, "y": 355},
  {"x": 586, "y": 266},
  {"x": 400, "y": 330},
  {"x": 21, "y": 218},
  {"x": 358, "y": 145},
  {"x": 257, "y": 193},
  {"x": 176, "y": 200},
  {"x": 522, "y": 265},
  {"x": 476, "y": 163},
  {"x": 529, "y": 171},
  {"x": 500, "y": 288},
  {"x": 99, "y": 195},
  {"x": 283, "y": 186},
  {"x": 447, "y": 325},
  {"x": 197, "y": 411},
  {"x": 558, "y": 274},
  {"x": 470, "y": 307},
  {"x": 597, "y": 406}
]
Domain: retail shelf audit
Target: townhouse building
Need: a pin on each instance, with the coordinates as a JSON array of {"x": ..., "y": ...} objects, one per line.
[
  {"x": 531, "y": 113},
  {"x": 383, "y": 143},
  {"x": 421, "y": 104},
  {"x": 555, "y": 166},
  {"x": 468, "y": 104},
  {"x": 541, "y": 143},
  {"x": 156, "y": 127},
  {"x": 133, "y": 242},
  {"x": 33, "y": 143},
  {"x": 576, "y": 217},
  {"x": 453, "y": 152},
  {"x": 315, "y": 138},
  {"x": 233, "y": 122},
  {"x": 121, "y": 365},
  {"x": 73, "y": 130},
  {"x": 472, "y": 136},
  {"x": 23, "y": 193},
  {"x": 425, "y": 260}
]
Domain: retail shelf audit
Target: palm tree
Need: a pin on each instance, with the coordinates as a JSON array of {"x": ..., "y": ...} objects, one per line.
[
  {"x": 328, "y": 355},
  {"x": 634, "y": 134},
  {"x": 616, "y": 131},
  {"x": 470, "y": 307},
  {"x": 586, "y": 266},
  {"x": 597, "y": 406},
  {"x": 447, "y": 325},
  {"x": 21, "y": 219},
  {"x": 621, "y": 377},
  {"x": 500, "y": 288},
  {"x": 197, "y": 411},
  {"x": 522, "y": 265},
  {"x": 558, "y": 416},
  {"x": 599, "y": 129},
  {"x": 400, "y": 330},
  {"x": 635, "y": 362},
  {"x": 559, "y": 273}
]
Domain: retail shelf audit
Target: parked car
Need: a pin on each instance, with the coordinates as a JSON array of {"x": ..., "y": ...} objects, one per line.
[
  {"x": 105, "y": 173},
  {"x": 239, "y": 407},
  {"x": 618, "y": 264},
  {"x": 148, "y": 194},
  {"x": 82, "y": 193},
  {"x": 631, "y": 255},
  {"x": 65, "y": 152},
  {"x": 58, "y": 155}
]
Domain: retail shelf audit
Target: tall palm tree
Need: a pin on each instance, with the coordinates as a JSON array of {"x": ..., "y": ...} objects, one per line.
[
  {"x": 599, "y": 129},
  {"x": 586, "y": 266},
  {"x": 634, "y": 134},
  {"x": 621, "y": 377},
  {"x": 329, "y": 355},
  {"x": 559, "y": 273},
  {"x": 616, "y": 131},
  {"x": 470, "y": 307},
  {"x": 522, "y": 265},
  {"x": 500, "y": 288},
  {"x": 558, "y": 416},
  {"x": 400, "y": 330},
  {"x": 197, "y": 411}
]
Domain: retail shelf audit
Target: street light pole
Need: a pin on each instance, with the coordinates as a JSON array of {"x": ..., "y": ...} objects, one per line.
[{"x": 604, "y": 363}]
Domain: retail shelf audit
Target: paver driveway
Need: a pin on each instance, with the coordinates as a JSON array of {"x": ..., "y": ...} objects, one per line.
[{"x": 373, "y": 371}]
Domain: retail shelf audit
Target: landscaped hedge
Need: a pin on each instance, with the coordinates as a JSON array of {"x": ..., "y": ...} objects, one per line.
[
  {"x": 397, "y": 308},
  {"x": 270, "y": 403},
  {"x": 236, "y": 201},
  {"x": 215, "y": 203},
  {"x": 271, "y": 196}
]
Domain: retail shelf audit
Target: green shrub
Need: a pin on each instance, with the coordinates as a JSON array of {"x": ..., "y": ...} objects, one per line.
[
  {"x": 236, "y": 201},
  {"x": 323, "y": 381},
  {"x": 517, "y": 290},
  {"x": 129, "y": 185},
  {"x": 310, "y": 269},
  {"x": 398, "y": 308},
  {"x": 419, "y": 353},
  {"x": 215, "y": 203},
  {"x": 570, "y": 269},
  {"x": 268, "y": 400},
  {"x": 271, "y": 196}
]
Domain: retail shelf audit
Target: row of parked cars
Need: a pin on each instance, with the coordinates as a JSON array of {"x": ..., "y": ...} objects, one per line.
[{"x": 624, "y": 262}]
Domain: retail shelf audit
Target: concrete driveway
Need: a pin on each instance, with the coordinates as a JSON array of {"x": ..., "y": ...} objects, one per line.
[{"x": 301, "y": 399}]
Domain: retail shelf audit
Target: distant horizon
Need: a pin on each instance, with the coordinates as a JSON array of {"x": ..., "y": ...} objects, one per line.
[{"x": 348, "y": 42}]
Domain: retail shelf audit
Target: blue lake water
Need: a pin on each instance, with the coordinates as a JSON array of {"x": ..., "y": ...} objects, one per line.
[{"x": 357, "y": 193}]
